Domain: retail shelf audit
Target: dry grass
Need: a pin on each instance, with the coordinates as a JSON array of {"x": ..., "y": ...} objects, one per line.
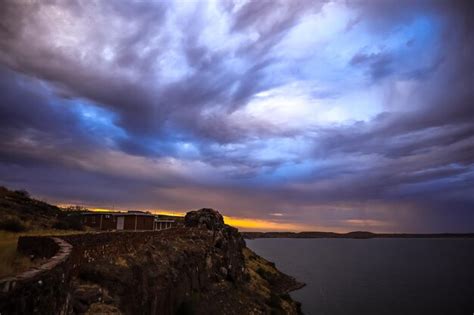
[
  {"x": 257, "y": 268},
  {"x": 101, "y": 308},
  {"x": 257, "y": 282},
  {"x": 12, "y": 262}
]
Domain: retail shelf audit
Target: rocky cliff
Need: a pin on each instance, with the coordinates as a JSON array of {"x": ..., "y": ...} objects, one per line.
[{"x": 203, "y": 267}]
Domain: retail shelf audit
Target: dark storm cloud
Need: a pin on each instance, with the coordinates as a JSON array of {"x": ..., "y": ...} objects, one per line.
[
  {"x": 137, "y": 96},
  {"x": 142, "y": 107},
  {"x": 130, "y": 98},
  {"x": 29, "y": 110}
]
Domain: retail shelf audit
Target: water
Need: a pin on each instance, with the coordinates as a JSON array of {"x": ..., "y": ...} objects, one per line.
[{"x": 377, "y": 276}]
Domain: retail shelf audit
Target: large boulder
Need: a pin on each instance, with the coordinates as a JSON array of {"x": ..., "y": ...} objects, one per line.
[{"x": 206, "y": 218}]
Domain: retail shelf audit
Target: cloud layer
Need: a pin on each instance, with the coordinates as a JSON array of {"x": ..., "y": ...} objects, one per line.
[{"x": 333, "y": 115}]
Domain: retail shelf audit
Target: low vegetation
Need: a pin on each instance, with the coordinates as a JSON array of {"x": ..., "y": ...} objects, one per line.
[
  {"x": 10, "y": 261},
  {"x": 12, "y": 224},
  {"x": 22, "y": 215},
  {"x": 19, "y": 212},
  {"x": 263, "y": 276}
]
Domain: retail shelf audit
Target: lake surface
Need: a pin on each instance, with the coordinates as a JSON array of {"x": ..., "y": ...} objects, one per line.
[{"x": 377, "y": 276}]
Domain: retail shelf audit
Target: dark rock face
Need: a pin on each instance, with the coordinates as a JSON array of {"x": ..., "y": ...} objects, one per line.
[
  {"x": 174, "y": 269},
  {"x": 226, "y": 239}
]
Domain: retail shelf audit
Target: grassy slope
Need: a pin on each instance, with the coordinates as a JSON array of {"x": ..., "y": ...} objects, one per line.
[
  {"x": 268, "y": 281},
  {"x": 35, "y": 217},
  {"x": 34, "y": 214}
]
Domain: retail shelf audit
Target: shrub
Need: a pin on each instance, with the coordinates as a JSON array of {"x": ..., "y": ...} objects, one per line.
[
  {"x": 298, "y": 307},
  {"x": 76, "y": 209},
  {"x": 12, "y": 224},
  {"x": 267, "y": 275},
  {"x": 23, "y": 193},
  {"x": 186, "y": 308},
  {"x": 285, "y": 296},
  {"x": 275, "y": 303},
  {"x": 68, "y": 223},
  {"x": 261, "y": 272}
]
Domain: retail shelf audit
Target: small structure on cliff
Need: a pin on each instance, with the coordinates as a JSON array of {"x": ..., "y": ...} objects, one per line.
[{"x": 129, "y": 221}]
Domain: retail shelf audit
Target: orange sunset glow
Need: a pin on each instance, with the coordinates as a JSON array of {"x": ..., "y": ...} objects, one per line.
[{"x": 243, "y": 224}]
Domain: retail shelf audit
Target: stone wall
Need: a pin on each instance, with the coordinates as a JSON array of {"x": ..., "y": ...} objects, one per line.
[
  {"x": 43, "y": 289},
  {"x": 89, "y": 247}
]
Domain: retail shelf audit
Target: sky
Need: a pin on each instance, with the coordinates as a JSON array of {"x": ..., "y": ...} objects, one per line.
[{"x": 283, "y": 115}]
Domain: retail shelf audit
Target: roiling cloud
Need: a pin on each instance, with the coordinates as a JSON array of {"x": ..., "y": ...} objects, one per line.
[{"x": 329, "y": 113}]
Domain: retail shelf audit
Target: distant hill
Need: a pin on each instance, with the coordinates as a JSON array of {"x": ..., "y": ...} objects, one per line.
[{"x": 355, "y": 234}]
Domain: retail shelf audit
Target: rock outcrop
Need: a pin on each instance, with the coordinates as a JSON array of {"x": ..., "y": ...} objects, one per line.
[
  {"x": 203, "y": 267},
  {"x": 227, "y": 241},
  {"x": 205, "y": 218}
]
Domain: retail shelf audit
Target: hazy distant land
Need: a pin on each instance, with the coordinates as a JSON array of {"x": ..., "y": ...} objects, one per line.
[{"x": 355, "y": 234}]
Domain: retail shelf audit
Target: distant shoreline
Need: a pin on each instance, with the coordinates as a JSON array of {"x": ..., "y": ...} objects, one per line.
[{"x": 352, "y": 235}]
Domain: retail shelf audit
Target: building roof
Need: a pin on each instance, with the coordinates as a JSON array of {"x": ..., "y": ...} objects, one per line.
[
  {"x": 129, "y": 213},
  {"x": 121, "y": 214}
]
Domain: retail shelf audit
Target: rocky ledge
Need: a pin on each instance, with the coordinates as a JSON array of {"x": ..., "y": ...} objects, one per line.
[{"x": 202, "y": 267}]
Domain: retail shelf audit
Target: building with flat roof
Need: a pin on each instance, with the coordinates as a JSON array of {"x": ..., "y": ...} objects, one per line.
[{"x": 128, "y": 221}]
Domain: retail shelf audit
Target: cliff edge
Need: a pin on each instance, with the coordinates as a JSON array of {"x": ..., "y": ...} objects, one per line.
[{"x": 202, "y": 267}]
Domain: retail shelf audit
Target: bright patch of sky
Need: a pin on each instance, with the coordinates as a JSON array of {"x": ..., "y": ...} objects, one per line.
[
  {"x": 98, "y": 121},
  {"x": 332, "y": 90},
  {"x": 302, "y": 106}
]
